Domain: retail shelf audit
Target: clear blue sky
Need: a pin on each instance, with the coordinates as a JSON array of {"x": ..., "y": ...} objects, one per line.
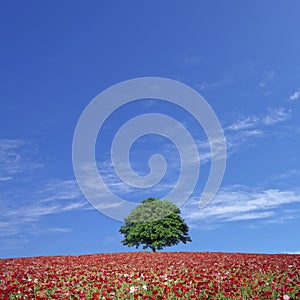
[{"x": 56, "y": 56}]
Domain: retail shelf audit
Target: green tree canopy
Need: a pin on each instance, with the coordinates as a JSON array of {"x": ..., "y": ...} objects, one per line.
[{"x": 154, "y": 224}]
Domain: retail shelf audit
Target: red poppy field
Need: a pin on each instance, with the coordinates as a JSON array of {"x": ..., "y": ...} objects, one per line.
[{"x": 145, "y": 275}]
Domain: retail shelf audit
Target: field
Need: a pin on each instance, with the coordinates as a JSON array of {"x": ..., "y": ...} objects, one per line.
[{"x": 145, "y": 275}]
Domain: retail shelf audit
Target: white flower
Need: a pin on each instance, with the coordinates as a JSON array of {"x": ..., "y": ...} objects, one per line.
[
  {"x": 144, "y": 287},
  {"x": 132, "y": 289}
]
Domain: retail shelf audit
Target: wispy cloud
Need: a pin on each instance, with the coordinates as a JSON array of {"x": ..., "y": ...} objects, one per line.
[
  {"x": 276, "y": 115},
  {"x": 251, "y": 75},
  {"x": 58, "y": 190},
  {"x": 286, "y": 175},
  {"x": 13, "y": 159},
  {"x": 21, "y": 207},
  {"x": 240, "y": 134},
  {"x": 20, "y": 215},
  {"x": 272, "y": 117},
  {"x": 9, "y": 157},
  {"x": 38, "y": 229},
  {"x": 237, "y": 203},
  {"x": 226, "y": 80},
  {"x": 127, "y": 191},
  {"x": 5, "y": 178},
  {"x": 244, "y": 123},
  {"x": 295, "y": 95},
  {"x": 248, "y": 130}
]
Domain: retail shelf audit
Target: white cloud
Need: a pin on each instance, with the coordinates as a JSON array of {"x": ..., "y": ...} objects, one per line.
[
  {"x": 244, "y": 123},
  {"x": 274, "y": 116},
  {"x": 15, "y": 158},
  {"x": 58, "y": 190},
  {"x": 59, "y": 229},
  {"x": 21, "y": 210},
  {"x": 237, "y": 203},
  {"x": 9, "y": 157},
  {"x": 295, "y": 96},
  {"x": 40, "y": 230},
  {"x": 246, "y": 131},
  {"x": 8, "y": 229},
  {"x": 251, "y": 216},
  {"x": 286, "y": 175},
  {"x": 20, "y": 215},
  {"x": 225, "y": 81},
  {"x": 257, "y": 80}
]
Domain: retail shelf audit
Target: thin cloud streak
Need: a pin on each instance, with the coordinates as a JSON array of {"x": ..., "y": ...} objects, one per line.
[
  {"x": 13, "y": 160},
  {"x": 237, "y": 203},
  {"x": 54, "y": 198},
  {"x": 274, "y": 116}
]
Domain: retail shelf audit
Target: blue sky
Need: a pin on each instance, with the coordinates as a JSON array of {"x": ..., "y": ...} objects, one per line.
[{"x": 243, "y": 58}]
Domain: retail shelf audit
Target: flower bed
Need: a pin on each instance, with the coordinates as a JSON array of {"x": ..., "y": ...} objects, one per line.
[{"x": 145, "y": 275}]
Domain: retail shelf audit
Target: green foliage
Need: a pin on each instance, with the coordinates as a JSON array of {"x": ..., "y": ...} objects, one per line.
[{"x": 155, "y": 224}]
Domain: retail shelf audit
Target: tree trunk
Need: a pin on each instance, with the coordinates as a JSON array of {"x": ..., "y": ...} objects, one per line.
[{"x": 153, "y": 249}]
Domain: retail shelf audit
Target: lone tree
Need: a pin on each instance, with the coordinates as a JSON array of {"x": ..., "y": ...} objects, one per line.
[{"x": 155, "y": 224}]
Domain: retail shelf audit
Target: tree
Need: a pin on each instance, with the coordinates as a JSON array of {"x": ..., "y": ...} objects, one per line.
[{"x": 155, "y": 224}]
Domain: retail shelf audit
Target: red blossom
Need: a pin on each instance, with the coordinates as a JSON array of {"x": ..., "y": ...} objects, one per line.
[{"x": 152, "y": 276}]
